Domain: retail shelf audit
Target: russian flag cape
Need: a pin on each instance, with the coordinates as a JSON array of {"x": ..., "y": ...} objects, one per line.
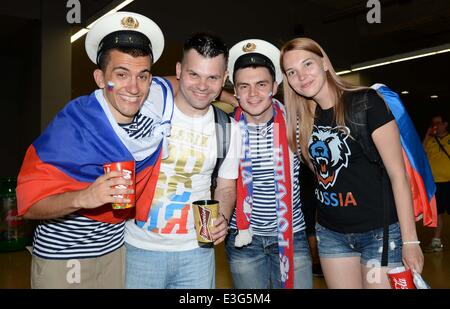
[
  {"x": 69, "y": 155},
  {"x": 417, "y": 166}
]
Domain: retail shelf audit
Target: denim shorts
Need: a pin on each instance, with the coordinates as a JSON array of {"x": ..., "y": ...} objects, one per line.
[{"x": 368, "y": 245}]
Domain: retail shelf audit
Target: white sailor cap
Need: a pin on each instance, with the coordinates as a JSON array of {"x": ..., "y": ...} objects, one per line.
[
  {"x": 124, "y": 29},
  {"x": 255, "y": 52}
]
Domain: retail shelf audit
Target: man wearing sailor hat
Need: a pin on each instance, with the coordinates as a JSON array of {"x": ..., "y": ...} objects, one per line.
[
  {"x": 268, "y": 194},
  {"x": 79, "y": 242}
]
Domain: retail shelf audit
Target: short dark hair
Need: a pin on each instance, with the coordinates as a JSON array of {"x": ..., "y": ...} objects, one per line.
[
  {"x": 206, "y": 44},
  {"x": 254, "y": 60},
  {"x": 105, "y": 57}
]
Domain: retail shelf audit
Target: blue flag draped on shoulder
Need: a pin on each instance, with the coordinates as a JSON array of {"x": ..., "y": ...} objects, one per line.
[{"x": 417, "y": 166}]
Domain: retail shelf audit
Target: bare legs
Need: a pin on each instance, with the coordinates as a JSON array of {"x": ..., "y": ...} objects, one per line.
[{"x": 348, "y": 273}]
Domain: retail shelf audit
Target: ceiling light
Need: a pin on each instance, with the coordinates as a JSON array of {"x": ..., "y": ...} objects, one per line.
[
  {"x": 343, "y": 72},
  {"x": 359, "y": 68},
  {"x": 405, "y": 92},
  {"x": 434, "y": 96},
  {"x": 398, "y": 58},
  {"x": 83, "y": 31},
  {"x": 78, "y": 35}
]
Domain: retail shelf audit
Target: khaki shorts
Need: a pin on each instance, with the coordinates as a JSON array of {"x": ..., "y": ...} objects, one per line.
[{"x": 104, "y": 272}]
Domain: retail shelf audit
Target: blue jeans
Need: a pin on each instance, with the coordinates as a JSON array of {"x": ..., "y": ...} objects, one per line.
[
  {"x": 192, "y": 269},
  {"x": 257, "y": 265},
  {"x": 366, "y": 245}
]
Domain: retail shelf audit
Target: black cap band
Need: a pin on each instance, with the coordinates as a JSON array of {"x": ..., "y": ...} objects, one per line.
[
  {"x": 254, "y": 59},
  {"x": 125, "y": 39}
]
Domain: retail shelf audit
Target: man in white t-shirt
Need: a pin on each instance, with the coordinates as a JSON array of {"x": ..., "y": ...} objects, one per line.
[{"x": 162, "y": 251}]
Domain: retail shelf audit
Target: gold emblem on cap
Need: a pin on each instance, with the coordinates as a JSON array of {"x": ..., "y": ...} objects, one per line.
[
  {"x": 249, "y": 47},
  {"x": 129, "y": 22}
]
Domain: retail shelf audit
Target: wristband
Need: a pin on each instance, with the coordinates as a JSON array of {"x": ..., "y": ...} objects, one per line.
[{"x": 412, "y": 242}]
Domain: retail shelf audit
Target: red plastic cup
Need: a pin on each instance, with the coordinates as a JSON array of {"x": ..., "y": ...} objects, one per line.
[
  {"x": 400, "y": 278},
  {"x": 128, "y": 168}
]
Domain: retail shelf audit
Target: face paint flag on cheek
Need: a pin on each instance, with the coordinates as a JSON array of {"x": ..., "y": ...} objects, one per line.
[{"x": 110, "y": 85}]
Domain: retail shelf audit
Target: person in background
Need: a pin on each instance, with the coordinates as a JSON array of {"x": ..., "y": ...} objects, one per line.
[{"x": 437, "y": 147}]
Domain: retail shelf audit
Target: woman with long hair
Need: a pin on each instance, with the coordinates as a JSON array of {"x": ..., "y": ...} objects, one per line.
[{"x": 359, "y": 199}]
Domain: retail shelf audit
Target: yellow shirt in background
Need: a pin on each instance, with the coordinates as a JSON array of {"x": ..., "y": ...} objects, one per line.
[{"x": 440, "y": 163}]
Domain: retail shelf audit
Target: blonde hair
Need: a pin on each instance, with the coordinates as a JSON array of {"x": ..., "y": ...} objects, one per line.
[{"x": 301, "y": 110}]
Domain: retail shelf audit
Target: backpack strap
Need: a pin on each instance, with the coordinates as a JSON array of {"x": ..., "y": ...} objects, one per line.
[
  {"x": 356, "y": 112},
  {"x": 223, "y": 137},
  {"x": 441, "y": 147},
  {"x": 385, "y": 193}
]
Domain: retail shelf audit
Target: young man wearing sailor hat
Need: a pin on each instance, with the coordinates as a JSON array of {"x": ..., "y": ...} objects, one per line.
[
  {"x": 267, "y": 246},
  {"x": 79, "y": 240}
]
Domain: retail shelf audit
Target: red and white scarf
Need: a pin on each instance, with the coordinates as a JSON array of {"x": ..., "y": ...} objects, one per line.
[{"x": 283, "y": 194}]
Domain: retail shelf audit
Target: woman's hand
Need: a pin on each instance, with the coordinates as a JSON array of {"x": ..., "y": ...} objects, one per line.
[{"x": 413, "y": 257}]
